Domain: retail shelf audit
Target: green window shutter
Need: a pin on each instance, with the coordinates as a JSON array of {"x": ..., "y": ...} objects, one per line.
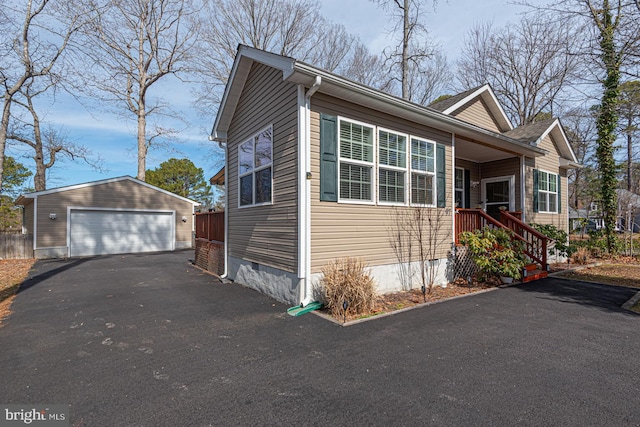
[
  {"x": 467, "y": 188},
  {"x": 559, "y": 183},
  {"x": 441, "y": 176},
  {"x": 535, "y": 190},
  {"x": 328, "y": 158}
]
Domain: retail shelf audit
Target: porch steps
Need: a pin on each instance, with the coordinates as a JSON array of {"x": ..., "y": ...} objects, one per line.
[{"x": 533, "y": 272}]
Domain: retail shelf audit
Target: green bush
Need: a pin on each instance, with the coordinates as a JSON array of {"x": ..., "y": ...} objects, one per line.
[
  {"x": 560, "y": 241},
  {"x": 495, "y": 252}
]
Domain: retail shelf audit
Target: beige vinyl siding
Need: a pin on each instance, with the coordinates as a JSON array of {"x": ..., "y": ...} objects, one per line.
[
  {"x": 115, "y": 195},
  {"x": 356, "y": 230},
  {"x": 477, "y": 113},
  {"x": 266, "y": 234},
  {"x": 506, "y": 167},
  {"x": 548, "y": 163},
  {"x": 474, "y": 169}
]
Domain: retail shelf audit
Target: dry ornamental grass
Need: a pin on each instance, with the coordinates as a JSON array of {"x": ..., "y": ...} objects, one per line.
[{"x": 346, "y": 279}]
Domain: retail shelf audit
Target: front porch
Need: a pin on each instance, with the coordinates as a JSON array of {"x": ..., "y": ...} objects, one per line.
[{"x": 535, "y": 244}]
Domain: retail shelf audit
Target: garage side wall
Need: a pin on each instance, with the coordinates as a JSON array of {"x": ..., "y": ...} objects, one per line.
[{"x": 51, "y": 238}]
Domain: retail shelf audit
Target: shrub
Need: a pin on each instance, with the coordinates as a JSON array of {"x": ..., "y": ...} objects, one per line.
[
  {"x": 560, "y": 242},
  {"x": 494, "y": 252},
  {"x": 580, "y": 256},
  {"x": 346, "y": 279}
]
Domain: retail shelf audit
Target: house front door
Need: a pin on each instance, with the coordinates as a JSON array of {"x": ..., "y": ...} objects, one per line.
[{"x": 498, "y": 192}]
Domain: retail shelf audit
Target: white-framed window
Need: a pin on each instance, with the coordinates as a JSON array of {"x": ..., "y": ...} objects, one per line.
[
  {"x": 255, "y": 170},
  {"x": 356, "y": 161},
  {"x": 392, "y": 167},
  {"x": 547, "y": 192},
  {"x": 459, "y": 188},
  {"x": 423, "y": 171}
]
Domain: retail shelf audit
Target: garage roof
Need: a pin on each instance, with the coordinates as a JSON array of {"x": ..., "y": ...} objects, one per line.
[{"x": 24, "y": 198}]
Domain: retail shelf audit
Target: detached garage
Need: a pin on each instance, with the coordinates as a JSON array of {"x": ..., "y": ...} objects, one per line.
[{"x": 112, "y": 216}]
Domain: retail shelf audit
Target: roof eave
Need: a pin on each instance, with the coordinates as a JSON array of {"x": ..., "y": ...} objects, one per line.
[{"x": 363, "y": 95}]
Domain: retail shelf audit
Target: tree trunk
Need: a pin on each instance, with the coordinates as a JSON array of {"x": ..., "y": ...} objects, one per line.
[
  {"x": 629, "y": 156},
  {"x": 142, "y": 144},
  {"x": 405, "y": 51},
  {"x": 6, "y": 112},
  {"x": 607, "y": 122}
]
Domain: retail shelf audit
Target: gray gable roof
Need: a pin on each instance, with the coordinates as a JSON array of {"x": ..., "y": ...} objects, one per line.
[
  {"x": 452, "y": 100},
  {"x": 531, "y": 132}
]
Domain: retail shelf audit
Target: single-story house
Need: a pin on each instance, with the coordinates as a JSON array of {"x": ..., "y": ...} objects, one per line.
[
  {"x": 111, "y": 216},
  {"x": 316, "y": 166}
]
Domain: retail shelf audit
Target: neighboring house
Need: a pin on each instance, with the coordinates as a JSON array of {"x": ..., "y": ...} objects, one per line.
[
  {"x": 583, "y": 220},
  {"x": 316, "y": 165},
  {"x": 111, "y": 216},
  {"x": 628, "y": 211}
]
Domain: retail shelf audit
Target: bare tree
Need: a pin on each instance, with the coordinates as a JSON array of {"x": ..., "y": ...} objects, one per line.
[
  {"x": 35, "y": 36},
  {"x": 47, "y": 144},
  {"x": 529, "y": 65},
  {"x": 292, "y": 28},
  {"x": 609, "y": 29},
  {"x": 134, "y": 44},
  {"x": 430, "y": 80},
  {"x": 401, "y": 242},
  {"x": 418, "y": 232},
  {"x": 415, "y": 62},
  {"x": 580, "y": 126},
  {"x": 629, "y": 116}
]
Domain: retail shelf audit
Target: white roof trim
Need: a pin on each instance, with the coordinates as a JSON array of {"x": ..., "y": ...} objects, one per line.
[
  {"x": 481, "y": 91},
  {"x": 556, "y": 124},
  {"x": 35, "y": 194},
  {"x": 267, "y": 58},
  {"x": 301, "y": 73}
]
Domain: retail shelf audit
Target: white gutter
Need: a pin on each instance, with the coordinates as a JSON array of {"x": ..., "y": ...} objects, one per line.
[
  {"x": 222, "y": 143},
  {"x": 304, "y": 190}
]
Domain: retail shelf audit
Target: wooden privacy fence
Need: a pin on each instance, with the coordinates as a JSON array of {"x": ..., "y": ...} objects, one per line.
[
  {"x": 210, "y": 226},
  {"x": 16, "y": 246}
]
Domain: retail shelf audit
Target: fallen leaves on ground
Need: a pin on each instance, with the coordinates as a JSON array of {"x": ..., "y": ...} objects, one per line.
[
  {"x": 12, "y": 274},
  {"x": 626, "y": 274}
]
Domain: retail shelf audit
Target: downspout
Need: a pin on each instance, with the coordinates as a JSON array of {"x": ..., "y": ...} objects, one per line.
[
  {"x": 223, "y": 145},
  {"x": 304, "y": 193}
]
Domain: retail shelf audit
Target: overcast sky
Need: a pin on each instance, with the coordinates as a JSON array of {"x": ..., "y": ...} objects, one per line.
[{"x": 114, "y": 138}]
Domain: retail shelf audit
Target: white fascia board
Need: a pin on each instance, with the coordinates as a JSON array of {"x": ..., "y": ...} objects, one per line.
[
  {"x": 246, "y": 56},
  {"x": 486, "y": 89},
  {"x": 106, "y": 181},
  {"x": 556, "y": 126}
]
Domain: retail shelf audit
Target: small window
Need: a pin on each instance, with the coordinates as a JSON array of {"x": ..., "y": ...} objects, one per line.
[
  {"x": 422, "y": 172},
  {"x": 356, "y": 161},
  {"x": 547, "y": 192},
  {"x": 392, "y": 161},
  {"x": 255, "y": 171},
  {"x": 459, "y": 188}
]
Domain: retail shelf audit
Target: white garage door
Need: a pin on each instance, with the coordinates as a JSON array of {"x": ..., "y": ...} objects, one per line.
[{"x": 98, "y": 232}]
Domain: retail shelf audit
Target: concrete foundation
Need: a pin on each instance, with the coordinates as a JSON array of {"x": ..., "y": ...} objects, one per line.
[{"x": 278, "y": 284}]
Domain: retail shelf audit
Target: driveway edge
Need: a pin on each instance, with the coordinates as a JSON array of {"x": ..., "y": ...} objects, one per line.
[{"x": 394, "y": 312}]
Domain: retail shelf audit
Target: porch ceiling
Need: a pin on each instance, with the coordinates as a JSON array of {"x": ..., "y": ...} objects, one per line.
[{"x": 480, "y": 153}]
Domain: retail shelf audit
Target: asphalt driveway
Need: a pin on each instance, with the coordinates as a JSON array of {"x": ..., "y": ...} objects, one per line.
[{"x": 150, "y": 340}]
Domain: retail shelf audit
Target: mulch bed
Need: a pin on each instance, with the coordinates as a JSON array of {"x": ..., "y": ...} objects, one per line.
[{"x": 390, "y": 302}]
